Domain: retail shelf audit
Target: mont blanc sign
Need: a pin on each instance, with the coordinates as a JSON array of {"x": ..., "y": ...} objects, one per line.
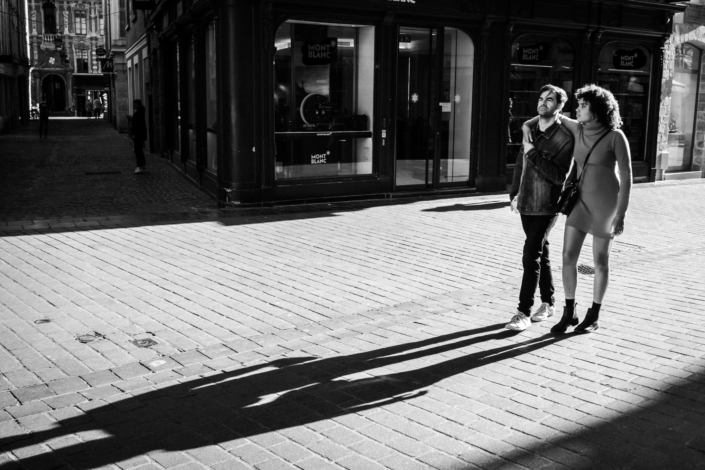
[{"x": 319, "y": 52}]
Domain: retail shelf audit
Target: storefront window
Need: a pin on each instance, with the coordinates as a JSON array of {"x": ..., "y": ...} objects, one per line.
[
  {"x": 192, "y": 134},
  {"x": 625, "y": 70},
  {"x": 456, "y": 106},
  {"x": 536, "y": 60},
  {"x": 323, "y": 99},
  {"x": 211, "y": 100},
  {"x": 684, "y": 96},
  {"x": 176, "y": 119}
]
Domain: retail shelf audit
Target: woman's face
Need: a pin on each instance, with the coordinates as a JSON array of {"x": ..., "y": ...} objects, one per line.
[{"x": 582, "y": 113}]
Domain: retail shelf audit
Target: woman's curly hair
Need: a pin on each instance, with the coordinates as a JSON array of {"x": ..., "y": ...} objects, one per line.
[{"x": 602, "y": 104}]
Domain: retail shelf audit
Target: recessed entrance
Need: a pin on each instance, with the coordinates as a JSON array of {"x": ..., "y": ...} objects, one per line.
[
  {"x": 54, "y": 91},
  {"x": 434, "y": 107}
]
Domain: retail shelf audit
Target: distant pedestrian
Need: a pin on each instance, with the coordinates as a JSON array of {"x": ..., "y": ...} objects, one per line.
[
  {"x": 604, "y": 192},
  {"x": 139, "y": 134},
  {"x": 89, "y": 107},
  {"x": 43, "y": 119},
  {"x": 97, "y": 107},
  {"x": 539, "y": 174}
]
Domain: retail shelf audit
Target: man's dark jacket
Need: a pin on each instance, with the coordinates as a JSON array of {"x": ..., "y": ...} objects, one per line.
[
  {"x": 139, "y": 124},
  {"x": 539, "y": 174}
]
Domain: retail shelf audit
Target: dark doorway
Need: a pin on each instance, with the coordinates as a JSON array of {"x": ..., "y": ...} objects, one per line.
[
  {"x": 54, "y": 90},
  {"x": 434, "y": 107}
]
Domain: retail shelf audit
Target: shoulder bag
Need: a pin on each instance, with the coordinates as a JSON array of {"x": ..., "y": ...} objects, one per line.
[{"x": 570, "y": 194}]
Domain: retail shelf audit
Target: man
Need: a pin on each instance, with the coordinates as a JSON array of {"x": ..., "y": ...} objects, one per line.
[
  {"x": 89, "y": 107},
  {"x": 539, "y": 174},
  {"x": 43, "y": 118},
  {"x": 139, "y": 135},
  {"x": 97, "y": 107}
]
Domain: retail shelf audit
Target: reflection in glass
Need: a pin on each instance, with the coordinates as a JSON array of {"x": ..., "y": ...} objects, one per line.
[
  {"x": 456, "y": 106},
  {"x": 211, "y": 100},
  {"x": 192, "y": 134},
  {"x": 684, "y": 95},
  {"x": 415, "y": 144},
  {"x": 323, "y": 99},
  {"x": 624, "y": 69},
  {"x": 176, "y": 138},
  {"x": 536, "y": 60}
]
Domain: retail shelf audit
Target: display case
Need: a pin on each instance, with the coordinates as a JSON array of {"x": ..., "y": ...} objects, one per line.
[
  {"x": 625, "y": 70},
  {"x": 323, "y": 97},
  {"x": 536, "y": 61}
]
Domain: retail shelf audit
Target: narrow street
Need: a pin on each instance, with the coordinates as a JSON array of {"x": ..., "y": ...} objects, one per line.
[{"x": 141, "y": 327}]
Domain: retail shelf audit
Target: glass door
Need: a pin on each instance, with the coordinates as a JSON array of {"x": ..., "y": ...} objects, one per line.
[
  {"x": 416, "y": 116},
  {"x": 435, "y": 69}
]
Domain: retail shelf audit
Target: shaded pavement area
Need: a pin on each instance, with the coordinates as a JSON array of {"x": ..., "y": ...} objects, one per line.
[{"x": 364, "y": 335}]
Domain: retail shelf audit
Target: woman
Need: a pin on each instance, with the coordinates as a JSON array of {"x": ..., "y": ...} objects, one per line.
[{"x": 604, "y": 196}]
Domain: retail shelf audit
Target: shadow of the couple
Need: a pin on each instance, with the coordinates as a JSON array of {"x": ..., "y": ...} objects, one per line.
[{"x": 280, "y": 394}]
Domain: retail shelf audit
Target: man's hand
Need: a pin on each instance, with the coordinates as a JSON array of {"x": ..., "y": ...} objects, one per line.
[
  {"x": 513, "y": 205},
  {"x": 617, "y": 226}
]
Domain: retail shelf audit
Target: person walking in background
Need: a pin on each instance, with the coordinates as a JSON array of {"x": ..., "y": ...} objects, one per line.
[
  {"x": 539, "y": 174},
  {"x": 89, "y": 107},
  {"x": 43, "y": 118},
  {"x": 139, "y": 134},
  {"x": 603, "y": 197},
  {"x": 97, "y": 107}
]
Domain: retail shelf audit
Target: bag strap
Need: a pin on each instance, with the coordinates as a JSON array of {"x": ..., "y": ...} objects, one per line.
[{"x": 590, "y": 152}]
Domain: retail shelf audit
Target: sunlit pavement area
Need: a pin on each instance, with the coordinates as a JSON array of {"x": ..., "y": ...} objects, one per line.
[{"x": 142, "y": 327}]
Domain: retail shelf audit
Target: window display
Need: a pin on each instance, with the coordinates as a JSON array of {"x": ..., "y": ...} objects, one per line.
[
  {"x": 176, "y": 132},
  {"x": 684, "y": 96},
  {"x": 211, "y": 100},
  {"x": 625, "y": 70},
  {"x": 536, "y": 60},
  {"x": 323, "y": 99}
]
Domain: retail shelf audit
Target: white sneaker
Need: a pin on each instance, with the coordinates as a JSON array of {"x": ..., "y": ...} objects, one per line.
[
  {"x": 519, "y": 322},
  {"x": 139, "y": 169},
  {"x": 543, "y": 312}
]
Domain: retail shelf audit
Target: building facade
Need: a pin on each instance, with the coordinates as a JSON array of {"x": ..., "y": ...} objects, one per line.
[
  {"x": 273, "y": 101},
  {"x": 116, "y": 29},
  {"x": 681, "y": 138},
  {"x": 14, "y": 65},
  {"x": 65, "y": 39}
]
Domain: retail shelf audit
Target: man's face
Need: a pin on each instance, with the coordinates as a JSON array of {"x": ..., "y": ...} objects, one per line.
[{"x": 548, "y": 104}]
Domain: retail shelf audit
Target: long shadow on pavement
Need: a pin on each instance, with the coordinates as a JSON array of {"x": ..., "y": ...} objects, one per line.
[
  {"x": 483, "y": 206},
  {"x": 281, "y": 394},
  {"x": 663, "y": 432}
]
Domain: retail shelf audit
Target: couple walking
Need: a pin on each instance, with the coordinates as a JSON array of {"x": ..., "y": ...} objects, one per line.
[{"x": 551, "y": 143}]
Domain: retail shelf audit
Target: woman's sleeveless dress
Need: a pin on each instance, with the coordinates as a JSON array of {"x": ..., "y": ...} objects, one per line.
[{"x": 602, "y": 197}]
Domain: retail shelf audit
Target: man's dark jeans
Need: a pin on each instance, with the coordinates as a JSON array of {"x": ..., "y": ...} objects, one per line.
[
  {"x": 43, "y": 126},
  {"x": 139, "y": 152},
  {"x": 537, "y": 266}
]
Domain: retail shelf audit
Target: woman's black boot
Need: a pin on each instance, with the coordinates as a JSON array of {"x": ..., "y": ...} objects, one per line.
[
  {"x": 569, "y": 319},
  {"x": 590, "y": 323}
]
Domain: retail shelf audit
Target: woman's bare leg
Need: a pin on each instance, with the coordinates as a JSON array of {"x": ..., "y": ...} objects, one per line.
[
  {"x": 601, "y": 257},
  {"x": 572, "y": 244}
]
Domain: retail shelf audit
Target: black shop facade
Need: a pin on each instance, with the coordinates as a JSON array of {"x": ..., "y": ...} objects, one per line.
[{"x": 290, "y": 101}]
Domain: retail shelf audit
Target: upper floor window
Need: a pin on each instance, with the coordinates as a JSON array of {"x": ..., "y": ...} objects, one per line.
[
  {"x": 82, "y": 61},
  {"x": 80, "y": 19}
]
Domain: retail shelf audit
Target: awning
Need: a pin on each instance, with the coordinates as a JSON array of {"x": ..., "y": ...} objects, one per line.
[{"x": 89, "y": 81}]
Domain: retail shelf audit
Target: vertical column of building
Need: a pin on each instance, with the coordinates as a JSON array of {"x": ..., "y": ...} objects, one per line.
[{"x": 237, "y": 139}]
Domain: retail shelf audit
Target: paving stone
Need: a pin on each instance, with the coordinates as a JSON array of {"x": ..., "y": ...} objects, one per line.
[
  {"x": 31, "y": 408},
  {"x": 36, "y": 392}
]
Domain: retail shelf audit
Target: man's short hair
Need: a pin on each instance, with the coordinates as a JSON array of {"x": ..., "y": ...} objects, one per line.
[{"x": 561, "y": 95}]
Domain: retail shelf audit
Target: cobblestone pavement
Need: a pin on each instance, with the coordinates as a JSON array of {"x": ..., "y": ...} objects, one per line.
[{"x": 345, "y": 336}]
